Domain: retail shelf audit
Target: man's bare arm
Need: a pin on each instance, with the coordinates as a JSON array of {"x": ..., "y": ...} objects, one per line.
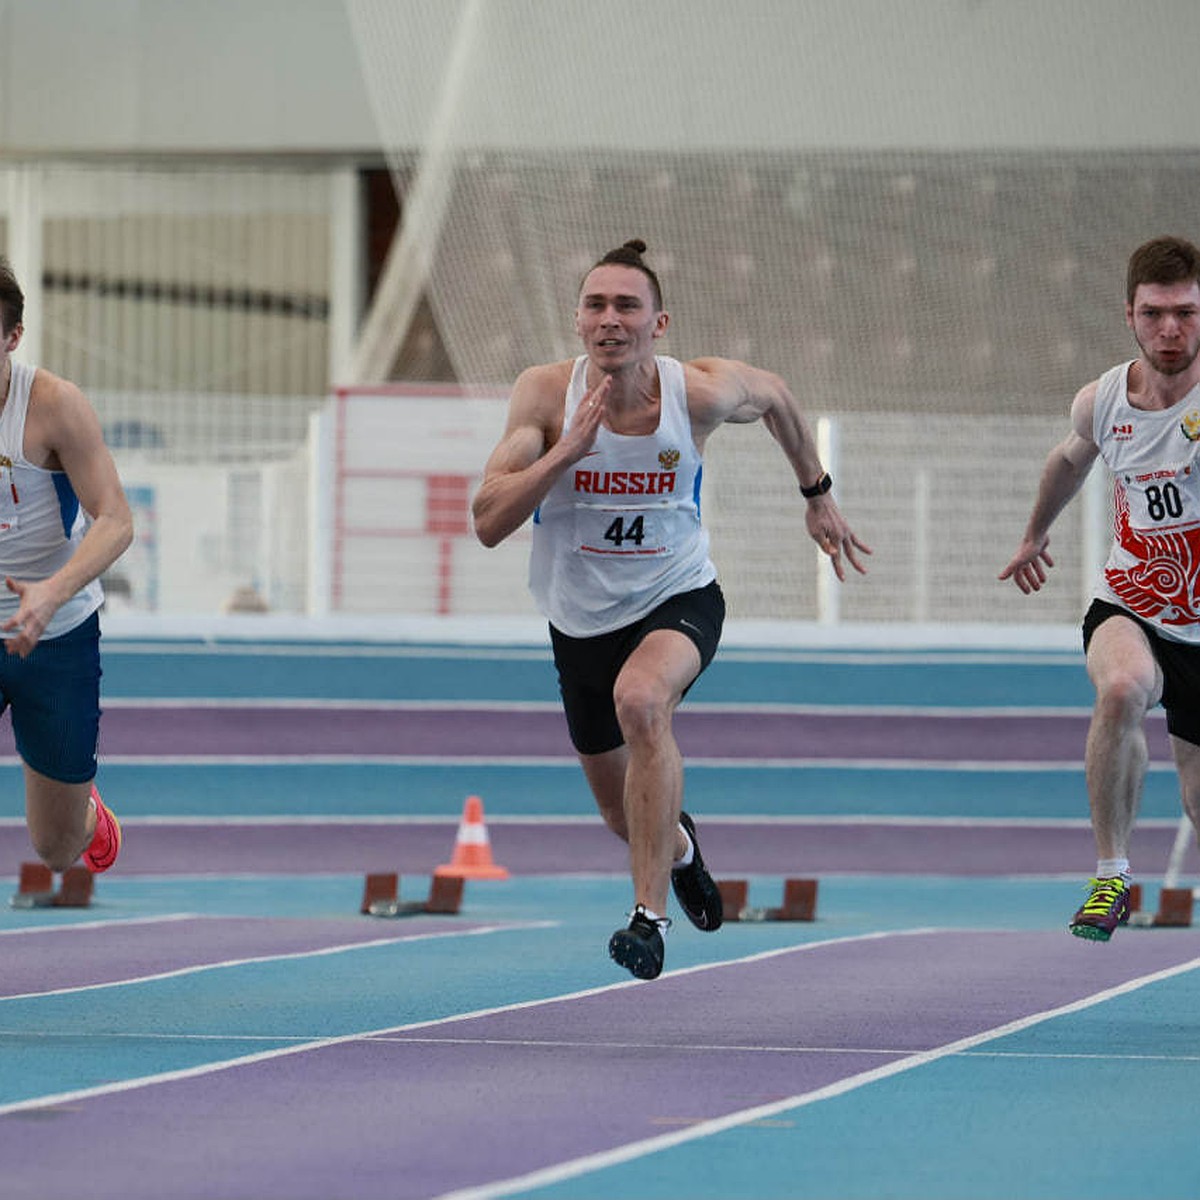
[
  {"x": 533, "y": 453},
  {"x": 67, "y": 432},
  {"x": 1067, "y": 466},
  {"x": 722, "y": 390}
]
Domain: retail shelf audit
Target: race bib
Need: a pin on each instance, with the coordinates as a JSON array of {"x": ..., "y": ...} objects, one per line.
[
  {"x": 621, "y": 531},
  {"x": 1164, "y": 500}
]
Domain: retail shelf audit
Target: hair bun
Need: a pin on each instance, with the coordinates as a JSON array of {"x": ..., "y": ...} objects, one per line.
[{"x": 636, "y": 245}]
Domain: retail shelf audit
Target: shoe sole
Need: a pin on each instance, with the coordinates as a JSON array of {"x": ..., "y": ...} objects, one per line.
[
  {"x": 631, "y": 953},
  {"x": 1091, "y": 933},
  {"x": 1097, "y": 933}
]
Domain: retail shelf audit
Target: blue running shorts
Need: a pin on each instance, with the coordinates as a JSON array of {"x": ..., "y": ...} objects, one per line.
[{"x": 54, "y": 697}]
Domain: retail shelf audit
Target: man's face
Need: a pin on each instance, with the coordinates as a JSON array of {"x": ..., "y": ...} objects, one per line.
[
  {"x": 616, "y": 319},
  {"x": 1165, "y": 319}
]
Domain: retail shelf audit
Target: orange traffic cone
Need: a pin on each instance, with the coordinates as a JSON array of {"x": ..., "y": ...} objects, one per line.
[{"x": 472, "y": 857}]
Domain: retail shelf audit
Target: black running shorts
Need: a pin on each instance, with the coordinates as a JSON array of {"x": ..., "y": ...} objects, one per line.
[
  {"x": 1178, "y": 661},
  {"x": 588, "y": 667}
]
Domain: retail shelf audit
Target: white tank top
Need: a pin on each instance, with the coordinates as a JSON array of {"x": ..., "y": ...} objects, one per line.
[
  {"x": 41, "y": 521},
  {"x": 1153, "y": 569},
  {"x": 620, "y": 532}
]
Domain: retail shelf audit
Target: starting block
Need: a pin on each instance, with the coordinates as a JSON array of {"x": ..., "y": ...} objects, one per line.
[
  {"x": 35, "y": 888},
  {"x": 799, "y": 901},
  {"x": 1174, "y": 908},
  {"x": 381, "y": 897}
]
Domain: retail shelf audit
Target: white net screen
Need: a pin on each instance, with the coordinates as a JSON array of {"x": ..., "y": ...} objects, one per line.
[
  {"x": 940, "y": 308},
  {"x": 192, "y": 305},
  {"x": 930, "y": 253}
]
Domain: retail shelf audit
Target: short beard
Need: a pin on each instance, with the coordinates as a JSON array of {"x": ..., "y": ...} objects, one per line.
[{"x": 1170, "y": 369}]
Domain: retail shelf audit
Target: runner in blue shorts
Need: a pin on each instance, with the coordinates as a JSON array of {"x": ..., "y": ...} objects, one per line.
[
  {"x": 64, "y": 520},
  {"x": 604, "y": 452}
]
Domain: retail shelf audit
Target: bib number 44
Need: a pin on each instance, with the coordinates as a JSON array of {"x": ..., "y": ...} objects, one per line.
[{"x": 619, "y": 532}]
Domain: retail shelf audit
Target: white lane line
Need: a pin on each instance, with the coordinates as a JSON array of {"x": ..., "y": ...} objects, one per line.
[
  {"x": 394, "y": 1039},
  {"x": 698, "y": 1048},
  {"x": 128, "y": 1085},
  {"x": 306, "y": 649},
  {"x": 635, "y": 1150},
  {"x": 323, "y": 952},
  {"x": 1049, "y": 1055},
  {"x": 530, "y": 650},
  {"x": 710, "y": 707},
  {"x": 280, "y": 820},
  {"x": 372, "y": 761},
  {"x": 106, "y": 924}
]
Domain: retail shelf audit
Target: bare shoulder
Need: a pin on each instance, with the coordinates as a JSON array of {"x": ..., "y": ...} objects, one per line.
[
  {"x": 60, "y": 416},
  {"x": 49, "y": 389},
  {"x": 535, "y": 417},
  {"x": 539, "y": 392},
  {"x": 547, "y": 377},
  {"x": 725, "y": 389},
  {"x": 55, "y": 402},
  {"x": 709, "y": 375},
  {"x": 1083, "y": 409}
]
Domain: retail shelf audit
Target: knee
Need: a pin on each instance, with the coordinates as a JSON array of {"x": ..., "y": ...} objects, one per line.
[
  {"x": 643, "y": 710},
  {"x": 1123, "y": 699}
]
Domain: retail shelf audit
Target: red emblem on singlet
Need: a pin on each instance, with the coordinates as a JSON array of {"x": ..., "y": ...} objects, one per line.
[{"x": 1164, "y": 584}]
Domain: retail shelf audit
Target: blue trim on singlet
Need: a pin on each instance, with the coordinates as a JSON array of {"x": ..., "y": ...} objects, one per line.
[
  {"x": 68, "y": 502},
  {"x": 696, "y": 489}
]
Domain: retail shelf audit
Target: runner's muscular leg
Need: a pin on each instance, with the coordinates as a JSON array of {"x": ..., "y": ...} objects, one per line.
[
  {"x": 606, "y": 777},
  {"x": 60, "y": 819},
  {"x": 1128, "y": 684},
  {"x": 1187, "y": 763},
  {"x": 647, "y": 692}
]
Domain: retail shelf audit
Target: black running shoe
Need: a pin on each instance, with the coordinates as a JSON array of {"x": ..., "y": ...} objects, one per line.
[
  {"x": 639, "y": 947},
  {"x": 694, "y": 887}
]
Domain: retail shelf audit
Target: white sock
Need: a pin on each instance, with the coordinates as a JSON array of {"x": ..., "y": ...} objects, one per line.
[
  {"x": 651, "y": 915},
  {"x": 688, "y": 854},
  {"x": 1109, "y": 868}
]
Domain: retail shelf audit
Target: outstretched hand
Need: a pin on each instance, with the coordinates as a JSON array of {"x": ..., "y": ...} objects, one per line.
[
  {"x": 1027, "y": 568},
  {"x": 830, "y": 530}
]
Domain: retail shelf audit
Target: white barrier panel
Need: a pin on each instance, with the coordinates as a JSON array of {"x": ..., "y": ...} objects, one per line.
[{"x": 400, "y": 467}]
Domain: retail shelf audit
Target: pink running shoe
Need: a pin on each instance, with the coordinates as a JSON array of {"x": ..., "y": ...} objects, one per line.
[{"x": 106, "y": 841}]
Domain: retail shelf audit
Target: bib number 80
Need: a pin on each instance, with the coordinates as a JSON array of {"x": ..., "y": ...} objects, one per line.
[{"x": 1164, "y": 502}]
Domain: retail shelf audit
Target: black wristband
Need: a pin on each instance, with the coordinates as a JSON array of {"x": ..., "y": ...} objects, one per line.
[{"x": 819, "y": 488}]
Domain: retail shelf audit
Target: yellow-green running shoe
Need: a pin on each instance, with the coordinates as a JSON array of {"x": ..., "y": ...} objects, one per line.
[{"x": 1105, "y": 908}]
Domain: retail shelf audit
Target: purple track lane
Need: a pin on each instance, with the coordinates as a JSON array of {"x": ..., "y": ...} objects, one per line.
[
  {"x": 450, "y": 733},
  {"x": 46, "y": 959},
  {"x": 521, "y": 1090},
  {"x": 550, "y": 847}
]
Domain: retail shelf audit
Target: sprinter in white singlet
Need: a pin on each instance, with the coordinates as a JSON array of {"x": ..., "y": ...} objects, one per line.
[
  {"x": 1142, "y": 631},
  {"x": 64, "y": 520},
  {"x": 604, "y": 452}
]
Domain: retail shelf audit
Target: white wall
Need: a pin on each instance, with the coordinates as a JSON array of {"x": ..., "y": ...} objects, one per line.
[
  {"x": 180, "y": 75},
  {"x": 266, "y": 75}
]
